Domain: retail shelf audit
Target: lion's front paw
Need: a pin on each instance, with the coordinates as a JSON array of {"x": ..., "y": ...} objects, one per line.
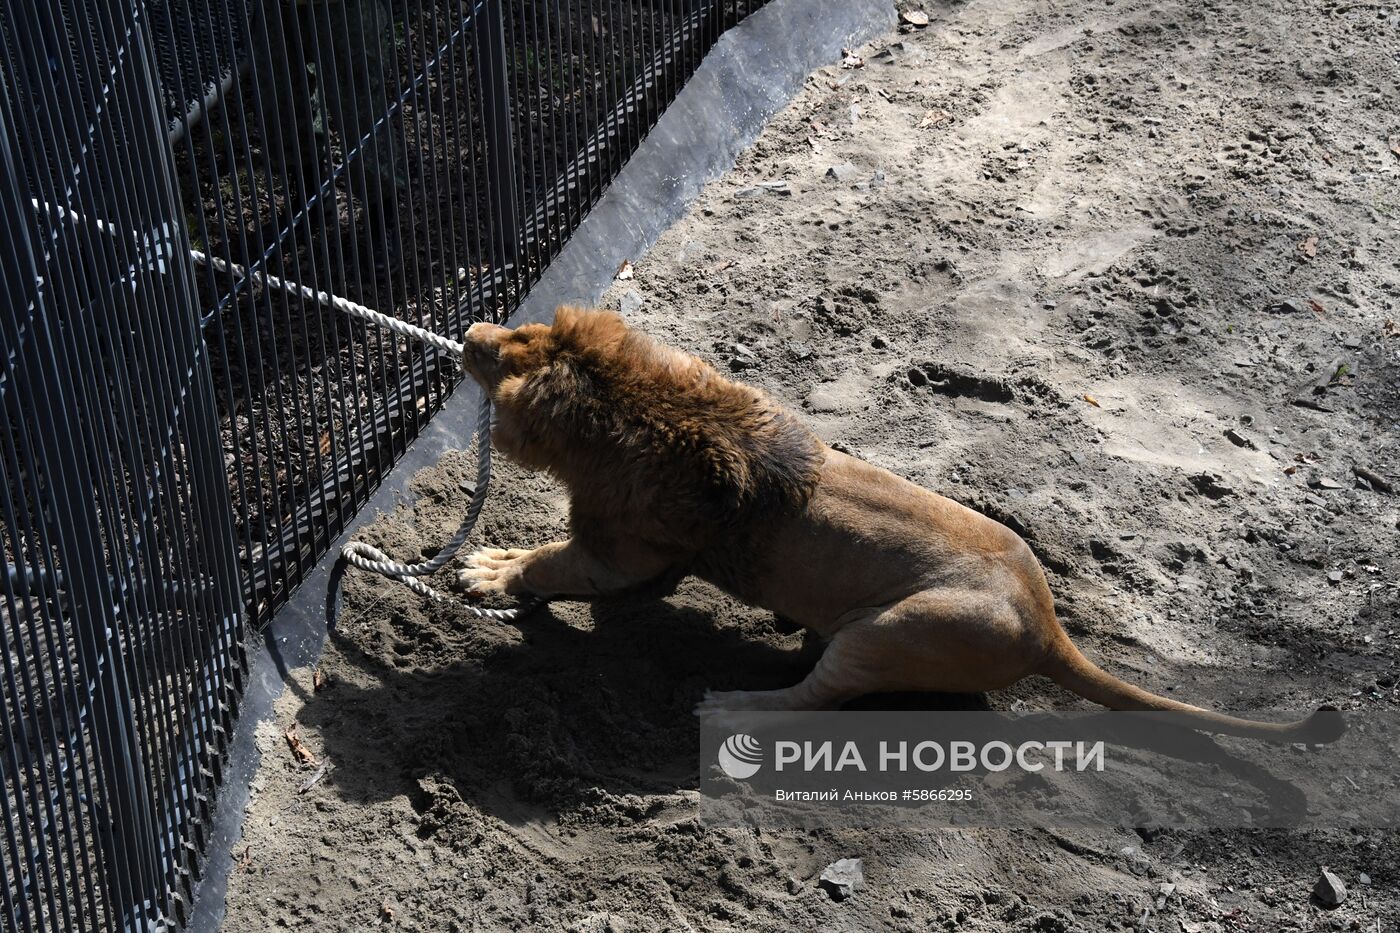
[{"x": 494, "y": 570}]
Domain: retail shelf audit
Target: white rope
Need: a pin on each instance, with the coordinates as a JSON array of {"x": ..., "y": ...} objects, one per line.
[
  {"x": 357, "y": 553},
  {"x": 335, "y": 301}
]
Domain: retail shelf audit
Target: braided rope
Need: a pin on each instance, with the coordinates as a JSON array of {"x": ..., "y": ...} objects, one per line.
[
  {"x": 341, "y": 304},
  {"x": 368, "y": 557}
]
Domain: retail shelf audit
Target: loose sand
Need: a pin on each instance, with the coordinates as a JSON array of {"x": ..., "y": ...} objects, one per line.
[{"x": 1186, "y": 211}]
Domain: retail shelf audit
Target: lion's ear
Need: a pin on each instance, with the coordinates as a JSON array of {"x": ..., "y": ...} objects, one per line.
[
  {"x": 582, "y": 329},
  {"x": 566, "y": 316}
]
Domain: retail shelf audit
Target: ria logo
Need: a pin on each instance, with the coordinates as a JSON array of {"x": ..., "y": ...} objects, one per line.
[{"x": 741, "y": 756}]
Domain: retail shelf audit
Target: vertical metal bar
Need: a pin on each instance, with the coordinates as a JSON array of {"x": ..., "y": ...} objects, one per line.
[
  {"x": 480, "y": 242},
  {"x": 147, "y": 614},
  {"x": 377, "y": 137},
  {"x": 310, "y": 447},
  {"x": 77, "y": 528},
  {"x": 486, "y": 186},
  {"x": 588, "y": 104},
  {"x": 549, "y": 209},
  {"x": 352, "y": 443},
  {"x": 527, "y": 177},
  {"x": 423, "y": 297},
  {"x": 32, "y": 681},
  {"x": 500, "y": 145}
]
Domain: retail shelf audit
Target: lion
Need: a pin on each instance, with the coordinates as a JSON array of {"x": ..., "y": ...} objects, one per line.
[{"x": 673, "y": 469}]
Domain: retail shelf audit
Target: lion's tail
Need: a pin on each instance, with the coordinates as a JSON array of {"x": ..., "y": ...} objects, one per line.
[{"x": 1070, "y": 669}]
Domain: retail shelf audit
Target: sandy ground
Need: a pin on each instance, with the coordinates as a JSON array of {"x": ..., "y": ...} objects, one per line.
[{"x": 1185, "y": 212}]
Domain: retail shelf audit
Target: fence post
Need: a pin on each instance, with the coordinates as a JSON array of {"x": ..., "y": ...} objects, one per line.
[{"x": 496, "y": 121}]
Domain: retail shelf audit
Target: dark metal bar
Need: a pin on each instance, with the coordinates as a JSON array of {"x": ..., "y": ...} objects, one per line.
[{"x": 499, "y": 136}]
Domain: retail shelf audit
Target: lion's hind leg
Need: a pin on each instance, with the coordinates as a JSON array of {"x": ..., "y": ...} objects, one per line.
[{"x": 946, "y": 641}]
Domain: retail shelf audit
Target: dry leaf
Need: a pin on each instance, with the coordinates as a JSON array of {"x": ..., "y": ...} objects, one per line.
[
  {"x": 1308, "y": 247},
  {"x": 1316, "y": 307},
  {"x": 324, "y": 445},
  {"x": 1092, "y": 401},
  {"x": 1395, "y": 144},
  {"x": 298, "y": 747},
  {"x": 625, "y": 271},
  {"x": 319, "y": 680},
  {"x": 850, "y": 59},
  {"x": 386, "y": 911},
  {"x": 933, "y": 118},
  {"x": 1391, "y": 329}
]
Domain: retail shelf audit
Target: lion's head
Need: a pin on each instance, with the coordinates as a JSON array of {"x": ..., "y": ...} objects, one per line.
[{"x": 632, "y": 427}]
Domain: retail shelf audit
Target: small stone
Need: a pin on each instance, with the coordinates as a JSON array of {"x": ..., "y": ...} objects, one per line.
[
  {"x": 798, "y": 350},
  {"x": 840, "y": 878},
  {"x": 1364, "y": 878},
  {"x": 794, "y": 886},
  {"x": 1336, "y": 576},
  {"x": 630, "y": 303},
  {"x": 742, "y": 357},
  {"x": 916, "y": 18},
  {"x": 1325, "y": 482},
  {"x": 690, "y": 249},
  {"x": 1137, "y": 862},
  {"x": 824, "y": 401},
  {"x": 1329, "y": 890},
  {"x": 878, "y": 179},
  {"x": 1372, "y": 479},
  {"x": 898, "y": 52},
  {"x": 776, "y": 188},
  {"x": 1212, "y": 486},
  {"x": 842, "y": 173},
  {"x": 1101, "y": 550},
  {"x": 878, "y": 341},
  {"x": 1238, "y": 439}
]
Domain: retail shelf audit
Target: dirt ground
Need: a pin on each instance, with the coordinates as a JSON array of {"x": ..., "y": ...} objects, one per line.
[{"x": 1119, "y": 273}]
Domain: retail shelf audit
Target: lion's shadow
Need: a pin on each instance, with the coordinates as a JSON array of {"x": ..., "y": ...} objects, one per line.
[
  {"x": 589, "y": 702},
  {"x": 582, "y": 709}
]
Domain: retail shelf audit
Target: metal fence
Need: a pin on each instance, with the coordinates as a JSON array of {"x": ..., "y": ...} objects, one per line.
[{"x": 181, "y": 443}]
